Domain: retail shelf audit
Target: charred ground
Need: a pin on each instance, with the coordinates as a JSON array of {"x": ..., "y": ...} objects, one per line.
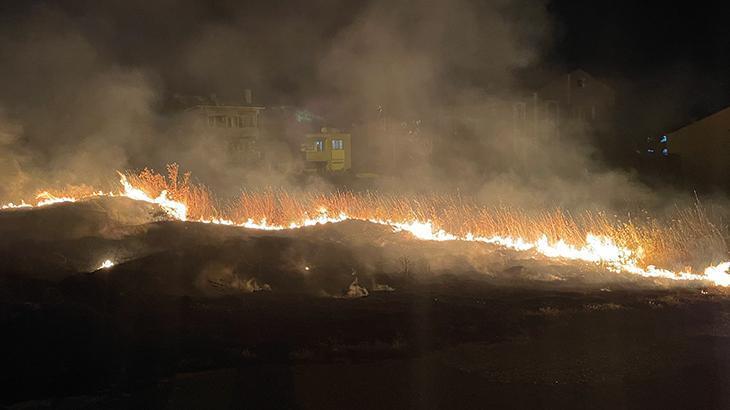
[{"x": 194, "y": 315}]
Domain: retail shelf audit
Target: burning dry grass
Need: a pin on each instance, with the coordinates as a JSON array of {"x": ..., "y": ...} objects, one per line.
[
  {"x": 687, "y": 237},
  {"x": 200, "y": 202}
]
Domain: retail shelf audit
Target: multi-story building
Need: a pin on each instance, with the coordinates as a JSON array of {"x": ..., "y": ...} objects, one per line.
[{"x": 237, "y": 121}]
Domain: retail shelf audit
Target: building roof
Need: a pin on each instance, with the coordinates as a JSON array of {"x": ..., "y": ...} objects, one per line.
[
  {"x": 576, "y": 76},
  {"x": 192, "y": 101},
  {"x": 718, "y": 116}
]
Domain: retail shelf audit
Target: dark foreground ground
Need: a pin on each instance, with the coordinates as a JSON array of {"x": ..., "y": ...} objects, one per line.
[{"x": 164, "y": 330}]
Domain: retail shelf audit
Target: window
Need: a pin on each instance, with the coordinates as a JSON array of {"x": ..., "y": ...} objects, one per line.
[
  {"x": 519, "y": 112},
  {"x": 235, "y": 121},
  {"x": 552, "y": 110},
  {"x": 663, "y": 139},
  {"x": 338, "y": 144},
  {"x": 319, "y": 145},
  {"x": 578, "y": 113},
  {"x": 665, "y": 152},
  {"x": 218, "y": 121},
  {"x": 238, "y": 145},
  {"x": 246, "y": 121}
]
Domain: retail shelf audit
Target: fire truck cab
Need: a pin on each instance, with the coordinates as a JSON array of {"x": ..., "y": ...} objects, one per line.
[{"x": 327, "y": 151}]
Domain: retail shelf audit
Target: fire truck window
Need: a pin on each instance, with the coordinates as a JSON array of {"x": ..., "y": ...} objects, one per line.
[
  {"x": 338, "y": 144},
  {"x": 319, "y": 145}
]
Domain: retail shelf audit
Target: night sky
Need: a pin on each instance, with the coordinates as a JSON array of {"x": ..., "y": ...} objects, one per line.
[
  {"x": 649, "y": 51},
  {"x": 655, "y": 51}
]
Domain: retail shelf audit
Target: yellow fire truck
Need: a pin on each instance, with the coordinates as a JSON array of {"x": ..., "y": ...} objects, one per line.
[{"x": 327, "y": 151}]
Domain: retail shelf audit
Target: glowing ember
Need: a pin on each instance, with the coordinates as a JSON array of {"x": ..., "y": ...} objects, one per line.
[
  {"x": 106, "y": 264},
  {"x": 598, "y": 249}
]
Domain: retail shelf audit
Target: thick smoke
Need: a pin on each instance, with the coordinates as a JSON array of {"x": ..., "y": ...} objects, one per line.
[{"x": 84, "y": 90}]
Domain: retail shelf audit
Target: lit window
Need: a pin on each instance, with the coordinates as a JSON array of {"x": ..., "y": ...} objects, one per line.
[
  {"x": 319, "y": 145},
  {"x": 338, "y": 144},
  {"x": 663, "y": 139},
  {"x": 665, "y": 152}
]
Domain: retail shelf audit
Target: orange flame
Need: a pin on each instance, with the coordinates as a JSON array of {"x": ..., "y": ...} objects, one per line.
[{"x": 602, "y": 250}]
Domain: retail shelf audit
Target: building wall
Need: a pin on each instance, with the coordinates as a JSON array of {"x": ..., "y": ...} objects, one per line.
[
  {"x": 579, "y": 96},
  {"x": 240, "y": 120},
  {"x": 704, "y": 150},
  {"x": 240, "y": 126}
]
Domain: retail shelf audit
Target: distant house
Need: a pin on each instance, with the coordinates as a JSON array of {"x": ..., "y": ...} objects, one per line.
[
  {"x": 703, "y": 149},
  {"x": 237, "y": 121},
  {"x": 577, "y": 95},
  {"x": 575, "y": 98}
]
